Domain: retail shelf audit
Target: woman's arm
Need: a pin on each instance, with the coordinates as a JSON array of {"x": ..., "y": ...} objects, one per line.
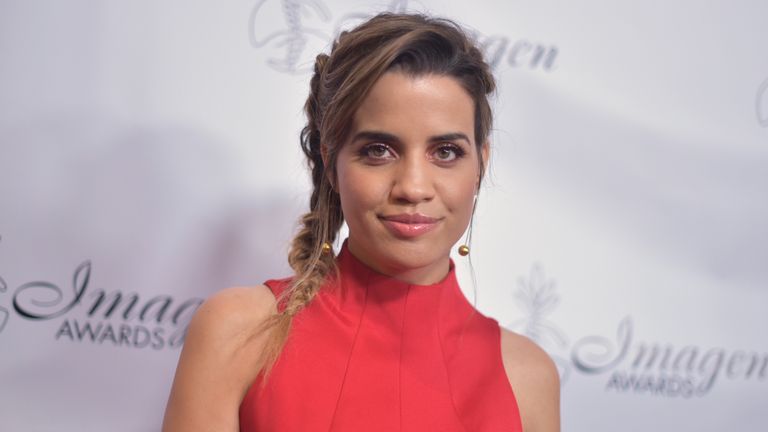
[
  {"x": 216, "y": 366},
  {"x": 535, "y": 381}
]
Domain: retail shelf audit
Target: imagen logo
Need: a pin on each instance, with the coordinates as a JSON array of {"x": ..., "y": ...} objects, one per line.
[
  {"x": 631, "y": 365},
  {"x": 308, "y": 28},
  {"x": 663, "y": 369},
  {"x": 95, "y": 315}
]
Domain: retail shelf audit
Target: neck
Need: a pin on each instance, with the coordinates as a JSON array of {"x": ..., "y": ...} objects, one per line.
[{"x": 401, "y": 268}]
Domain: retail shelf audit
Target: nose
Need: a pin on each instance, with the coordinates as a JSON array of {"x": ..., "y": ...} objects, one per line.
[{"x": 413, "y": 181}]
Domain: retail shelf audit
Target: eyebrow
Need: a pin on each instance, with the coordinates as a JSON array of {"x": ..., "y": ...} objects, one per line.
[{"x": 388, "y": 137}]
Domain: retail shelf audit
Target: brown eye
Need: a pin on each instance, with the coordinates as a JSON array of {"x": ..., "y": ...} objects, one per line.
[
  {"x": 448, "y": 153},
  {"x": 377, "y": 151}
]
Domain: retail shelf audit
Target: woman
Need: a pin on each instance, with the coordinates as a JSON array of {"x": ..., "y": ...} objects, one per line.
[{"x": 378, "y": 338}]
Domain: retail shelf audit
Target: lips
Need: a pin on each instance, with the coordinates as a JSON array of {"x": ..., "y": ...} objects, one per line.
[{"x": 409, "y": 225}]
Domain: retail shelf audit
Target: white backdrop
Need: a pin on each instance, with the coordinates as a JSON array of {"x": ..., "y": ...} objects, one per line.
[{"x": 149, "y": 157}]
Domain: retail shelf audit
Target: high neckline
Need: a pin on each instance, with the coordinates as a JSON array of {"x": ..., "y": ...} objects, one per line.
[
  {"x": 353, "y": 266},
  {"x": 371, "y": 352},
  {"x": 361, "y": 288}
]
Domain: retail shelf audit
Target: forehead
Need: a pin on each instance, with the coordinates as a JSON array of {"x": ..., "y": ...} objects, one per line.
[{"x": 413, "y": 107}]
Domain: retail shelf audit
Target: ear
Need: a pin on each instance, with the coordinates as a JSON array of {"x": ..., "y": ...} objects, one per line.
[
  {"x": 485, "y": 155},
  {"x": 324, "y": 154},
  {"x": 329, "y": 175}
]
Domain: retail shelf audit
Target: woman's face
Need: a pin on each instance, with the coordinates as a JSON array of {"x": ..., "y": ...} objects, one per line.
[{"x": 408, "y": 175}]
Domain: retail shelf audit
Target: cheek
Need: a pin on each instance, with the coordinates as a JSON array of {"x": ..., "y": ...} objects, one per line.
[
  {"x": 359, "y": 191},
  {"x": 460, "y": 193},
  {"x": 463, "y": 200}
]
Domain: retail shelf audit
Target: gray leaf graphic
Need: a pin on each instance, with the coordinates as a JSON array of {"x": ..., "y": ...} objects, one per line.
[
  {"x": 293, "y": 40},
  {"x": 537, "y": 296},
  {"x": 761, "y": 104},
  {"x": 3, "y": 311},
  {"x": 3, "y": 318}
]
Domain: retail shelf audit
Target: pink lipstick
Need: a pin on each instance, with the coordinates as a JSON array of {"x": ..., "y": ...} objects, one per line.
[{"x": 409, "y": 225}]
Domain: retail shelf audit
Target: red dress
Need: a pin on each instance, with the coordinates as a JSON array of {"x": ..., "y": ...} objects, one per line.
[{"x": 372, "y": 353}]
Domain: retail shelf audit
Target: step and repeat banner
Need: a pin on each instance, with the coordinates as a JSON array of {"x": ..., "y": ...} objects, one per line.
[{"x": 149, "y": 157}]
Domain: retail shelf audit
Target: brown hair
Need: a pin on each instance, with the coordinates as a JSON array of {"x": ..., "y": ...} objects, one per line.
[{"x": 413, "y": 44}]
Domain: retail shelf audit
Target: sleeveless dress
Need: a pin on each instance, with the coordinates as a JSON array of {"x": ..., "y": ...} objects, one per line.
[{"x": 371, "y": 353}]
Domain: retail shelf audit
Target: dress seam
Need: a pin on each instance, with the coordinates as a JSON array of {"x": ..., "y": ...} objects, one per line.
[
  {"x": 445, "y": 365},
  {"x": 351, "y": 351},
  {"x": 400, "y": 365}
]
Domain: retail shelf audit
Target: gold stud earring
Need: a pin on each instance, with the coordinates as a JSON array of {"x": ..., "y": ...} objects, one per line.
[
  {"x": 463, "y": 250},
  {"x": 326, "y": 248}
]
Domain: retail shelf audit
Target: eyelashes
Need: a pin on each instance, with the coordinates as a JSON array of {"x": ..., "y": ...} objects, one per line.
[
  {"x": 377, "y": 151},
  {"x": 449, "y": 152},
  {"x": 441, "y": 153}
]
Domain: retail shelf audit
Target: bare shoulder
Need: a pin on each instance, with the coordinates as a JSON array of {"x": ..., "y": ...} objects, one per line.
[
  {"x": 226, "y": 322},
  {"x": 521, "y": 353},
  {"x": 233, "y": 311},
  {"x": 216, "y": 365},
  {"x": 535, "y": 381}
]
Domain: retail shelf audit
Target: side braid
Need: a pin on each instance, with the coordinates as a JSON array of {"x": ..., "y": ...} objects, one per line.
[{"x": 310, "y": 265}]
